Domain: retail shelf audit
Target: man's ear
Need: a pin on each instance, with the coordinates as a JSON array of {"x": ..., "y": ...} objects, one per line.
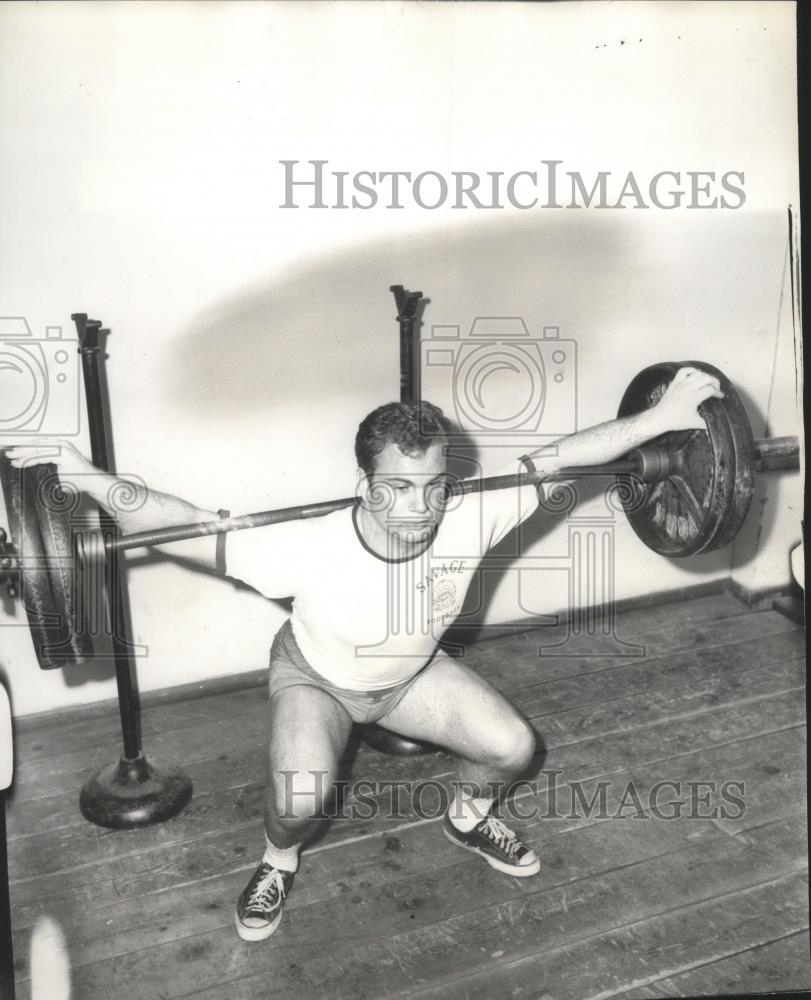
[{"x": 361, "y": 484}]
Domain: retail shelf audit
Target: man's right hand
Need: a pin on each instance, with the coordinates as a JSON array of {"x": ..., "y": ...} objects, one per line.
[{"x": 68, "y": 460}]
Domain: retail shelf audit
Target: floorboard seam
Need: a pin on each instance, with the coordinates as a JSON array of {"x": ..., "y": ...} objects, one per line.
[
  {"x": 680, "y": 651},
  {"x": 675, "y": 687},
  {"x": 688, "y": 715}
]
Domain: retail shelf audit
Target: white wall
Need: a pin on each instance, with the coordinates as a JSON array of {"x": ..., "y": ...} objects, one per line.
[{"x": 139, "y": 181}]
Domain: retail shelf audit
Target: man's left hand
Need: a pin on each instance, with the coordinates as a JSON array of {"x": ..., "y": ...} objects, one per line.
[{"x": 677, "y": 410}]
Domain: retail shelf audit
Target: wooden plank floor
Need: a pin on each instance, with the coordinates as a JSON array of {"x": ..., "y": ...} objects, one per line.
[{"x": 627, "y": 904}]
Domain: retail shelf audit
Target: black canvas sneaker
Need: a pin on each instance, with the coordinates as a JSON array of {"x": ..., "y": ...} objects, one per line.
[
  {"x": 259, "y": 908},
  {"x": 497, "y": 844}
]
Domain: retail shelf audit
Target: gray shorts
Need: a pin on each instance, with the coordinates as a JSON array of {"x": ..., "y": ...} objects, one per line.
[{"x": 288, "y": 668}]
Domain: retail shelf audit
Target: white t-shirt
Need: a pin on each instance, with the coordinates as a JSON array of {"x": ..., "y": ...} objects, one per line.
[{"x": 362, "y": 621}]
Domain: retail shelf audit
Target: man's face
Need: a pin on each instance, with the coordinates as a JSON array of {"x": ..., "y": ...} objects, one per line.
[{"x": 404, "y": 493}]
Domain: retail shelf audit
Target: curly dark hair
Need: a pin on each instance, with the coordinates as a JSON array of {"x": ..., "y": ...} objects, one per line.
[{"x": 413, "y": 427}]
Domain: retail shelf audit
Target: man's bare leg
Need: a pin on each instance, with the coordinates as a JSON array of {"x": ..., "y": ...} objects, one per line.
[
  {"x": 309, "y": 730},
  {"x": 451, "y": 706}
]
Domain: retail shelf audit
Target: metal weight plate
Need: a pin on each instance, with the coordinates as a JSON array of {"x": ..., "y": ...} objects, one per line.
[
  {"x": 39, "y": 515},
  {"x": 703, "y": 502}
]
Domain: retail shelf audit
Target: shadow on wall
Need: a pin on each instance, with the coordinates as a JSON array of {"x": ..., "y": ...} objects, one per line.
[{"x": 326, "y": 327}]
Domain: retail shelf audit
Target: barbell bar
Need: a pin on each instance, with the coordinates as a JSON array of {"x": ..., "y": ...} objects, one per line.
[{"x": 649, "y": 464}]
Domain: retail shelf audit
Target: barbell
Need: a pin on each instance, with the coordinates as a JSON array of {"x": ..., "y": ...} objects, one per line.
[{"x": 685, "y": 493}]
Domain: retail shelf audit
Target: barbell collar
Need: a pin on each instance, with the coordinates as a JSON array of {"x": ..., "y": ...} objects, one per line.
[{"x": 776, "y": 454}]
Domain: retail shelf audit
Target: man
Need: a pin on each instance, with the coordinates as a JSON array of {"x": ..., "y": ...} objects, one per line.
[{"x": 374, "y": 587}]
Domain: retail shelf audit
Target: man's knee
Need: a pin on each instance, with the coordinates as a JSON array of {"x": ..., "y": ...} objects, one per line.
[
  {"x": 300, "y": 795},
  {"x": 514, "y": 747}
]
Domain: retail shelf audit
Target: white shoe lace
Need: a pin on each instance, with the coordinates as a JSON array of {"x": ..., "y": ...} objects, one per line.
[
  {"x": 266, "y": 888},
  {"x": 502, "y": 836}
]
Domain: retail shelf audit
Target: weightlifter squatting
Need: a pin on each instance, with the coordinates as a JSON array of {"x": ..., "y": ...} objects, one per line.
[{"x": 328, "y": 668}]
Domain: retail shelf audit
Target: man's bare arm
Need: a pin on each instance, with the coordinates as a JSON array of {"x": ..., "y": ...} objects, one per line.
[
  {"x": 135, "y": 506},
  {"x": 676, "y": 410}
]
